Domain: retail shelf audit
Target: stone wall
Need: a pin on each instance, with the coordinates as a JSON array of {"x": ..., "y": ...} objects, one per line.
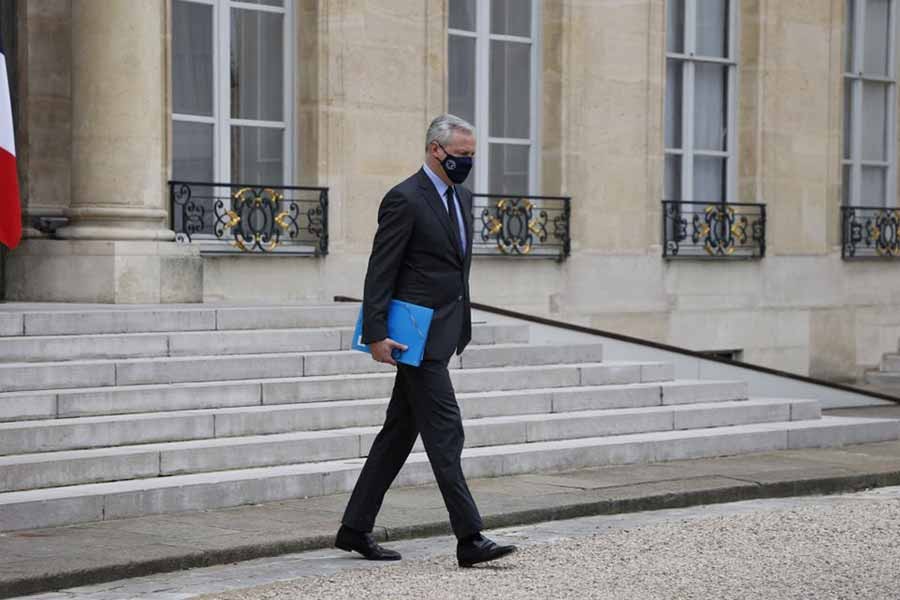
[{"x": 371, "y": 74}]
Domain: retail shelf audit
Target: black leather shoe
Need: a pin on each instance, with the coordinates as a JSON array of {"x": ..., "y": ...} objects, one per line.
[
  {"x": 479, "y": 550},
  {"x": 358, "y": 541}
]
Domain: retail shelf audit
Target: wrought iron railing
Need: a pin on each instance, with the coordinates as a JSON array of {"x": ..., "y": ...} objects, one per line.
[
  {"x": 870, "y": 232},
  {"x": 227, "y": 218},
  {"x": 713, "y": 230},
  {"x": 524, "y": 226}
]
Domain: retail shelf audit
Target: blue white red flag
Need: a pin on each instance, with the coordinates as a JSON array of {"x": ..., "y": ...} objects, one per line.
[{"x": 10, "y": 205}]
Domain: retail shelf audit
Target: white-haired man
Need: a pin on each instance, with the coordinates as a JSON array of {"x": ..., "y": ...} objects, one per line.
[{"x": 422, "y": 254}]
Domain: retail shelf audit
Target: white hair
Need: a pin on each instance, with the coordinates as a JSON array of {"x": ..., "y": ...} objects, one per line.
[{"x": 442, "y": 128}]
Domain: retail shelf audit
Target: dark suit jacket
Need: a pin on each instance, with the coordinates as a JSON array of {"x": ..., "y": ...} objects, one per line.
[{"x": 414, "y": 258}]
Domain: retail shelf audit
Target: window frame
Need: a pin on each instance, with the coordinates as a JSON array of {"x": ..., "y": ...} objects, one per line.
[
  {"x": 221, "y": 119},
  {"x": 857, "y": 79},
  {"x": 689, "y": 59},
  {"x": 483, "y": 38}
]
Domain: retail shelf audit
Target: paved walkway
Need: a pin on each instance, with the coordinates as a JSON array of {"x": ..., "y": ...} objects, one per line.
[
  {"x": 827, "y": 548},
  {"x": 42, "y": 560},
  {"x": 823, "y": 547}
]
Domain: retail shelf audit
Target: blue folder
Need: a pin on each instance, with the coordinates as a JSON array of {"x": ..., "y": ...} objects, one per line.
[{"x": 406, "y": 323}]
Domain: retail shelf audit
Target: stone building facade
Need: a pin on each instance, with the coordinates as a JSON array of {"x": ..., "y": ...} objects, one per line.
[{"x": 615, "y": 104}]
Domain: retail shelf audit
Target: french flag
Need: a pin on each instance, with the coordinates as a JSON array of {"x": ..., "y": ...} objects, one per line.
[{"x": 10, "y": 207}]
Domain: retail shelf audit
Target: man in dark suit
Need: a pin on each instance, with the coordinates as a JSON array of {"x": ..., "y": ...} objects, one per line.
[{"x": 421, "y": 254}]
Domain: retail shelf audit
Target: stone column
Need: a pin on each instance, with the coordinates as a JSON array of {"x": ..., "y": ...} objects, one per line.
[
  {"x": 118, "y": 121},
  {"x": 116, "y": 247},
  {"x": 43, "y": 128}
]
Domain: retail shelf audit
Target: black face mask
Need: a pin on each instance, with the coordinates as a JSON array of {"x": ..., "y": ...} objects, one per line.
[{"x": 456, "y": 167}]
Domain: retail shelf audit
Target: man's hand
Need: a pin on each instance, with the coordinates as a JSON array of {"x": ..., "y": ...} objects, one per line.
[{"x": 381, "y": 351}]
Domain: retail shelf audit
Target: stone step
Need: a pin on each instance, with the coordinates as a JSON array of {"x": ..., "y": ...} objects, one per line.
[
  {"x": 349, "y": 387},
  {"x": 286, "y": 390},
  {"x": 32, "y": 509},
  {"x": 139, "y": 371},
  {"x": 884, "y": 380},
  {"x": 145, "y": 319},
  {"x": 475, "y": 357},
  {"x": 45, "y": 349},
  {"x": 890, "y": 363},
  {"x": 192, "y": 343},
  {"x": 26, "y": 437},
  {"x": 257, "y": 420},
  {"x": 75, "y": 467}
]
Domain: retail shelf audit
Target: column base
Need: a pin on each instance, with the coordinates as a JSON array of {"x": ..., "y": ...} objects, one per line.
[
  {"x": 116, "y": 223},
  {"x": 115, "y": 272}
]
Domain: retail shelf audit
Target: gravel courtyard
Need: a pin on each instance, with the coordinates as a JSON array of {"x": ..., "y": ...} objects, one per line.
[{"x": 847, "y": 547}]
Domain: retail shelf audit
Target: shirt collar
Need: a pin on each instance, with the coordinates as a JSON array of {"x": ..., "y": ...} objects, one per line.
[{"x": 439, "y": 184}]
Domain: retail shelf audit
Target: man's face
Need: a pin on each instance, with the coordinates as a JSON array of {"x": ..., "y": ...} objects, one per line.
[{"x": 461, "y": 143}]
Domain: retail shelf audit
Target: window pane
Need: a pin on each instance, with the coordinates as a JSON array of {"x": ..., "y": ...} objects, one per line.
[
  {"x": 709, "y": 179},
  {"x": 265, "y": 2},
  {"x": 710, "y": 106},
  {"x": 509, "y": 169},
  {"x": 874, "y": 121},
  {"x": 849, "y": 40},
  {"x": 257, "y": 155},
  {"x": 873, "y": 186},
  {"x": 674, "y": 96},
  {"x": 672, "y": 179},
  {"x": 712, "y": 28},
  {"x": 192, "y": 59},
  {"x": 461, "y": 77},
  {"x": 510, "y": 89},
  {"x": 877, "y": 37},
  {"x": 462, "y": 14},
  {"x": 192, "y": 151},
  {"x": 675, "y": 25},
  {"x": 257, "y": 65},
  {"x": 511, "y": 17},
  {"x": 848, "y": 117}
]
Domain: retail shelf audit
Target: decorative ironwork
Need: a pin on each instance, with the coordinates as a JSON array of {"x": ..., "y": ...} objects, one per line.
[
  {"x": 720, "y": 230},
  {"x": 532, "y": 226},
  {"x": 239, "y": 218},
  {"x": 870, "y": 232}
]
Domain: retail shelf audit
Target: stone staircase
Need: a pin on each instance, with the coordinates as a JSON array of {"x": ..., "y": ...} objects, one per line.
[
  {"x": 113, "y": 412},
  {"x": 887, "y": 377}
]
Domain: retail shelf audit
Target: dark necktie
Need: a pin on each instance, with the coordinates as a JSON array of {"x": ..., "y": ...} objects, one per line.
[{"x": 454, "y": 220}]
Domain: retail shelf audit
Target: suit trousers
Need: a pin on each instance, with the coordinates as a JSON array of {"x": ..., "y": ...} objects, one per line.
[{"x": 423, "y": 402}]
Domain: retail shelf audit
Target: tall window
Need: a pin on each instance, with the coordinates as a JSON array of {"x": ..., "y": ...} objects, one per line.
[
  {"x": 493, "y": 80},
  {"x": 700, "y": 103},
  {"x": 230, "y": 90},
  {"x": 870, "y": 150}
]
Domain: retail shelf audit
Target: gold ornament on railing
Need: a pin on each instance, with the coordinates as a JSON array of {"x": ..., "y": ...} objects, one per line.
[
  {"x": 256, "y": 220},
  {"x": 514, "y": 225}
]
